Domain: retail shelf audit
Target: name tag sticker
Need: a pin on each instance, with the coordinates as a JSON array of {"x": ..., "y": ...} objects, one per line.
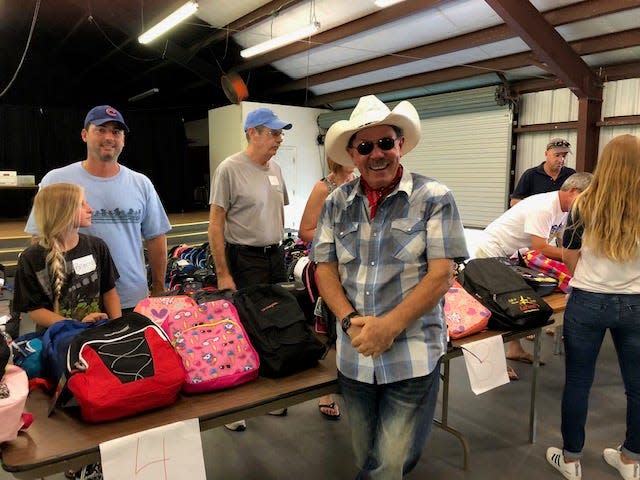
[
  {"x": 274, "y": 180},
  {"x": 83, "y": 265}
]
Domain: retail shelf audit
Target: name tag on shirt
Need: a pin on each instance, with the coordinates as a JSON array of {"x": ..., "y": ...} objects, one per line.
[
  {"x": 274, "y": 180},
  {"x": 84, "y": 265}
]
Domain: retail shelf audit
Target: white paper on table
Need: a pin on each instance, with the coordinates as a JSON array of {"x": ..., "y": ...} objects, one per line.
[
  {"x": 486, "y": 364},
  {"x": 169, "y": 452}
]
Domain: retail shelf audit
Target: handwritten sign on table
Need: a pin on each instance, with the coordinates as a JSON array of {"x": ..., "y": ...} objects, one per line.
[
  {"x": 170, "y": 452},
  {"x": 486, "y": 364}
]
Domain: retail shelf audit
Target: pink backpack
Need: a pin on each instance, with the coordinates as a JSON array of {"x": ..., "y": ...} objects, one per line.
[
  {"x": 158, "y": 308},
  {"x": 213, "y": 345},
  {"x": 464, "y": 314},
  {"x": 14, "y": 388}
]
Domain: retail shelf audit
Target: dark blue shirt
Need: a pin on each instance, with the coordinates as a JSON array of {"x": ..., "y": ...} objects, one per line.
[{"x": 536, "y": 180}]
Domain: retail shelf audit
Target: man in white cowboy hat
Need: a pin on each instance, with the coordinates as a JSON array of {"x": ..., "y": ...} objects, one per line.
[
  {"x": 385, "y": 246},
  {"x": 549, "y": 175}
]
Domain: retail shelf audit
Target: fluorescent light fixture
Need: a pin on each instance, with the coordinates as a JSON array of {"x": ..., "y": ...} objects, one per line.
[
  {"x": 140, "y": 96},
  {"x": 281, "y": 41},
  {"x": 168, "y": 23},
  {"x": 386, "y": 3}
]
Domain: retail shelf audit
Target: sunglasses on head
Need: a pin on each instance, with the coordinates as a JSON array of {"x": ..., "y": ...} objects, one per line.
[
  {"x": 365, "y": 147},
  {"x": 561, "y": 143}
]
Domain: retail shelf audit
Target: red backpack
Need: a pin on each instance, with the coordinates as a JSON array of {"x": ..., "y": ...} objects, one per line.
[{"x": 122, "y": 368}]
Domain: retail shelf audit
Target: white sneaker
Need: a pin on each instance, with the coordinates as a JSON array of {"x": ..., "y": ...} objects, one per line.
[
  {"x": 239, "y": 426},
  {"x": 629, "y": 471},
  {"x": 570, "y": 470}
]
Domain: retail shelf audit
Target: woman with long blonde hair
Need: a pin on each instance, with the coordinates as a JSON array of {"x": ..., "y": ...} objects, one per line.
[
  {"x": 66, "y": 274},
  {"x": 602, "y": 248},
  {"x": 338, "y": 175}
]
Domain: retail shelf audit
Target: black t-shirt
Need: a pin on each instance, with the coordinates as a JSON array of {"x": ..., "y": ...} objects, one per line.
[
  {"x": 535, "y": 180},
  {"x": 90, "y": 273}
]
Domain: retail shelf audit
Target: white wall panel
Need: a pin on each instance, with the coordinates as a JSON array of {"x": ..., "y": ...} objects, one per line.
[
  {"x": 621, "y": 98},
  {"x": 550, "y": 106}
]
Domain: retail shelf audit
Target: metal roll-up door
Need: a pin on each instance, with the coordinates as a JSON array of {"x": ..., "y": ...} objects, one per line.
[
  {"x": 466, "y": 144},
  {"x": 470, "y": 154},
  {"x": 475, "y": 100}
]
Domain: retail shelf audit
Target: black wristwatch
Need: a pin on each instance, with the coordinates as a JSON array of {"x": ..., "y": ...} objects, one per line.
[{"x": 346, "y": 321}]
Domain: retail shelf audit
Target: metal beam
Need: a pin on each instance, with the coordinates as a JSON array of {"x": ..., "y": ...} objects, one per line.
[
  {"x": 242, "y": 23},
  {"x": 549, "y": 46},
  {"x": 589, "y": 112},
  {"x": 559, "y": 16},
  {"x": 373, "y": 20},
  {"x": 601, "y": 43},
  {"x": 608, "y": 73}
]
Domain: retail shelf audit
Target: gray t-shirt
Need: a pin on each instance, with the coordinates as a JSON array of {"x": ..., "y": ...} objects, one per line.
[{"x": 253, "y": 197}]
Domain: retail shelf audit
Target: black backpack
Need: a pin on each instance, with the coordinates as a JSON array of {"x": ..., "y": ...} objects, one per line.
[
  {"x": 278, "y": 330},
  {"x": 513, "y": 303}
]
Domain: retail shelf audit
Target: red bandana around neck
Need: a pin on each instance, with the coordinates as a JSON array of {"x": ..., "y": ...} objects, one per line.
[{"x": 376, "y": 196}]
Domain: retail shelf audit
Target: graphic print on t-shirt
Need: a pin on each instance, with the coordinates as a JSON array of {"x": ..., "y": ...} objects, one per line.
[{"x": 116, "y": 215}]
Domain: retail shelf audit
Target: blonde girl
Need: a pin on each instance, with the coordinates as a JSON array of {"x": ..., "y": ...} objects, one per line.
[
  {"x": 602, "y": 248},
  {"x": 66, "y": 274}
]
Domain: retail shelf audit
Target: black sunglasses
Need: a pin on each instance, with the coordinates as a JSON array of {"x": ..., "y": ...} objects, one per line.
[
  {"x": 561, "y": 143},
  {"x": 365, "y": 147}
]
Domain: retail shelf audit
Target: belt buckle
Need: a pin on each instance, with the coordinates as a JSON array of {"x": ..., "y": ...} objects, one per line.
[{"x": 266, "y": 249}]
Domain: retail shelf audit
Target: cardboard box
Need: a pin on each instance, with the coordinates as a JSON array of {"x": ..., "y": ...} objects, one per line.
[{"x": 9, "y": 178}]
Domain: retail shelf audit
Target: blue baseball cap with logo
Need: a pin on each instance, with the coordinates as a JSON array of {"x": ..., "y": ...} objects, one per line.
[
  {"x": 102, "y": 114},
  {"x": 264, "y": 116}
]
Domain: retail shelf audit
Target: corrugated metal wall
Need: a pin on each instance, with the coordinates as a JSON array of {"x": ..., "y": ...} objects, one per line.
[{"x": 619, "y": 98}]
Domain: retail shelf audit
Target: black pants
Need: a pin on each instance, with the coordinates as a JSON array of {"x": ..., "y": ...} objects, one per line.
[{"x": 252, "y": 265}]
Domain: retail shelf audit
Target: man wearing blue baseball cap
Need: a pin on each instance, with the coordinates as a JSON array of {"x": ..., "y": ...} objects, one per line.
[
  {"x": 127, "y": 211},
  {"x": 246, "y": 221}
]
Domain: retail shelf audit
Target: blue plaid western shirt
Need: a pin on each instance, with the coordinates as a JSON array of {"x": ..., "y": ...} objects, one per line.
[{"x": 381, "y": 261}]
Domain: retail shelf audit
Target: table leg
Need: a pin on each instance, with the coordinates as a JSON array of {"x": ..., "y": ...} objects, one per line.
[
  {"x": 534, "y": 383},
  {"x": 443, "y": 423}
]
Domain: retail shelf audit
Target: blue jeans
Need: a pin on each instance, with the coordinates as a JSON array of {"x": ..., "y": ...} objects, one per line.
[
  {"x": 390, "y": 423},
  {"x": 586, "y": 320}
]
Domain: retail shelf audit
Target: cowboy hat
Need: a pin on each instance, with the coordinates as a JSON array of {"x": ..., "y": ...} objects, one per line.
[{"x": 369, "y": 112}]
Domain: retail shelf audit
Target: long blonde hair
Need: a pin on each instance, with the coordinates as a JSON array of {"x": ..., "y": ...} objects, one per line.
[
  {"x": 55, "y": 210},
  {"x": 609, "y": 208}
]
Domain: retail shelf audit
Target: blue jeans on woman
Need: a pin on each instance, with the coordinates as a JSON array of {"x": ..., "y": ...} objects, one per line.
[
  {"x": 390, "y": 423},
  {"x": 586, "y": 320}
]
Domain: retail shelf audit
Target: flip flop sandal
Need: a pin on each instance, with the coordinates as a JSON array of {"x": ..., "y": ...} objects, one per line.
[
  {"x": 513, "y": 376},
  {"x": 525, "y": 358},
  {"x": 328, "y": 416}
]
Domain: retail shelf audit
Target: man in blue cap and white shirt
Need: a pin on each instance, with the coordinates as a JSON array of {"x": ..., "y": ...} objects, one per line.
[
  {"x": 127, "y": 211},
  {"x": 246, "y": 221}
]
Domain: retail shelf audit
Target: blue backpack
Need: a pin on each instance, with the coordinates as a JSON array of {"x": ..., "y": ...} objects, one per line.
[
  {"x": 55, "y": 345},
  {"x": 27, "y": 353}
]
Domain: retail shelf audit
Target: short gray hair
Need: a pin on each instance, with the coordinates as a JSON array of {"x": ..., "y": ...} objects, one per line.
[{"x": 580, "y": 180}]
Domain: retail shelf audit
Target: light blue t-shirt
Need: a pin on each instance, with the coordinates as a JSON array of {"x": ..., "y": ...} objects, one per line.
[{"x": 126, "y": 210}]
